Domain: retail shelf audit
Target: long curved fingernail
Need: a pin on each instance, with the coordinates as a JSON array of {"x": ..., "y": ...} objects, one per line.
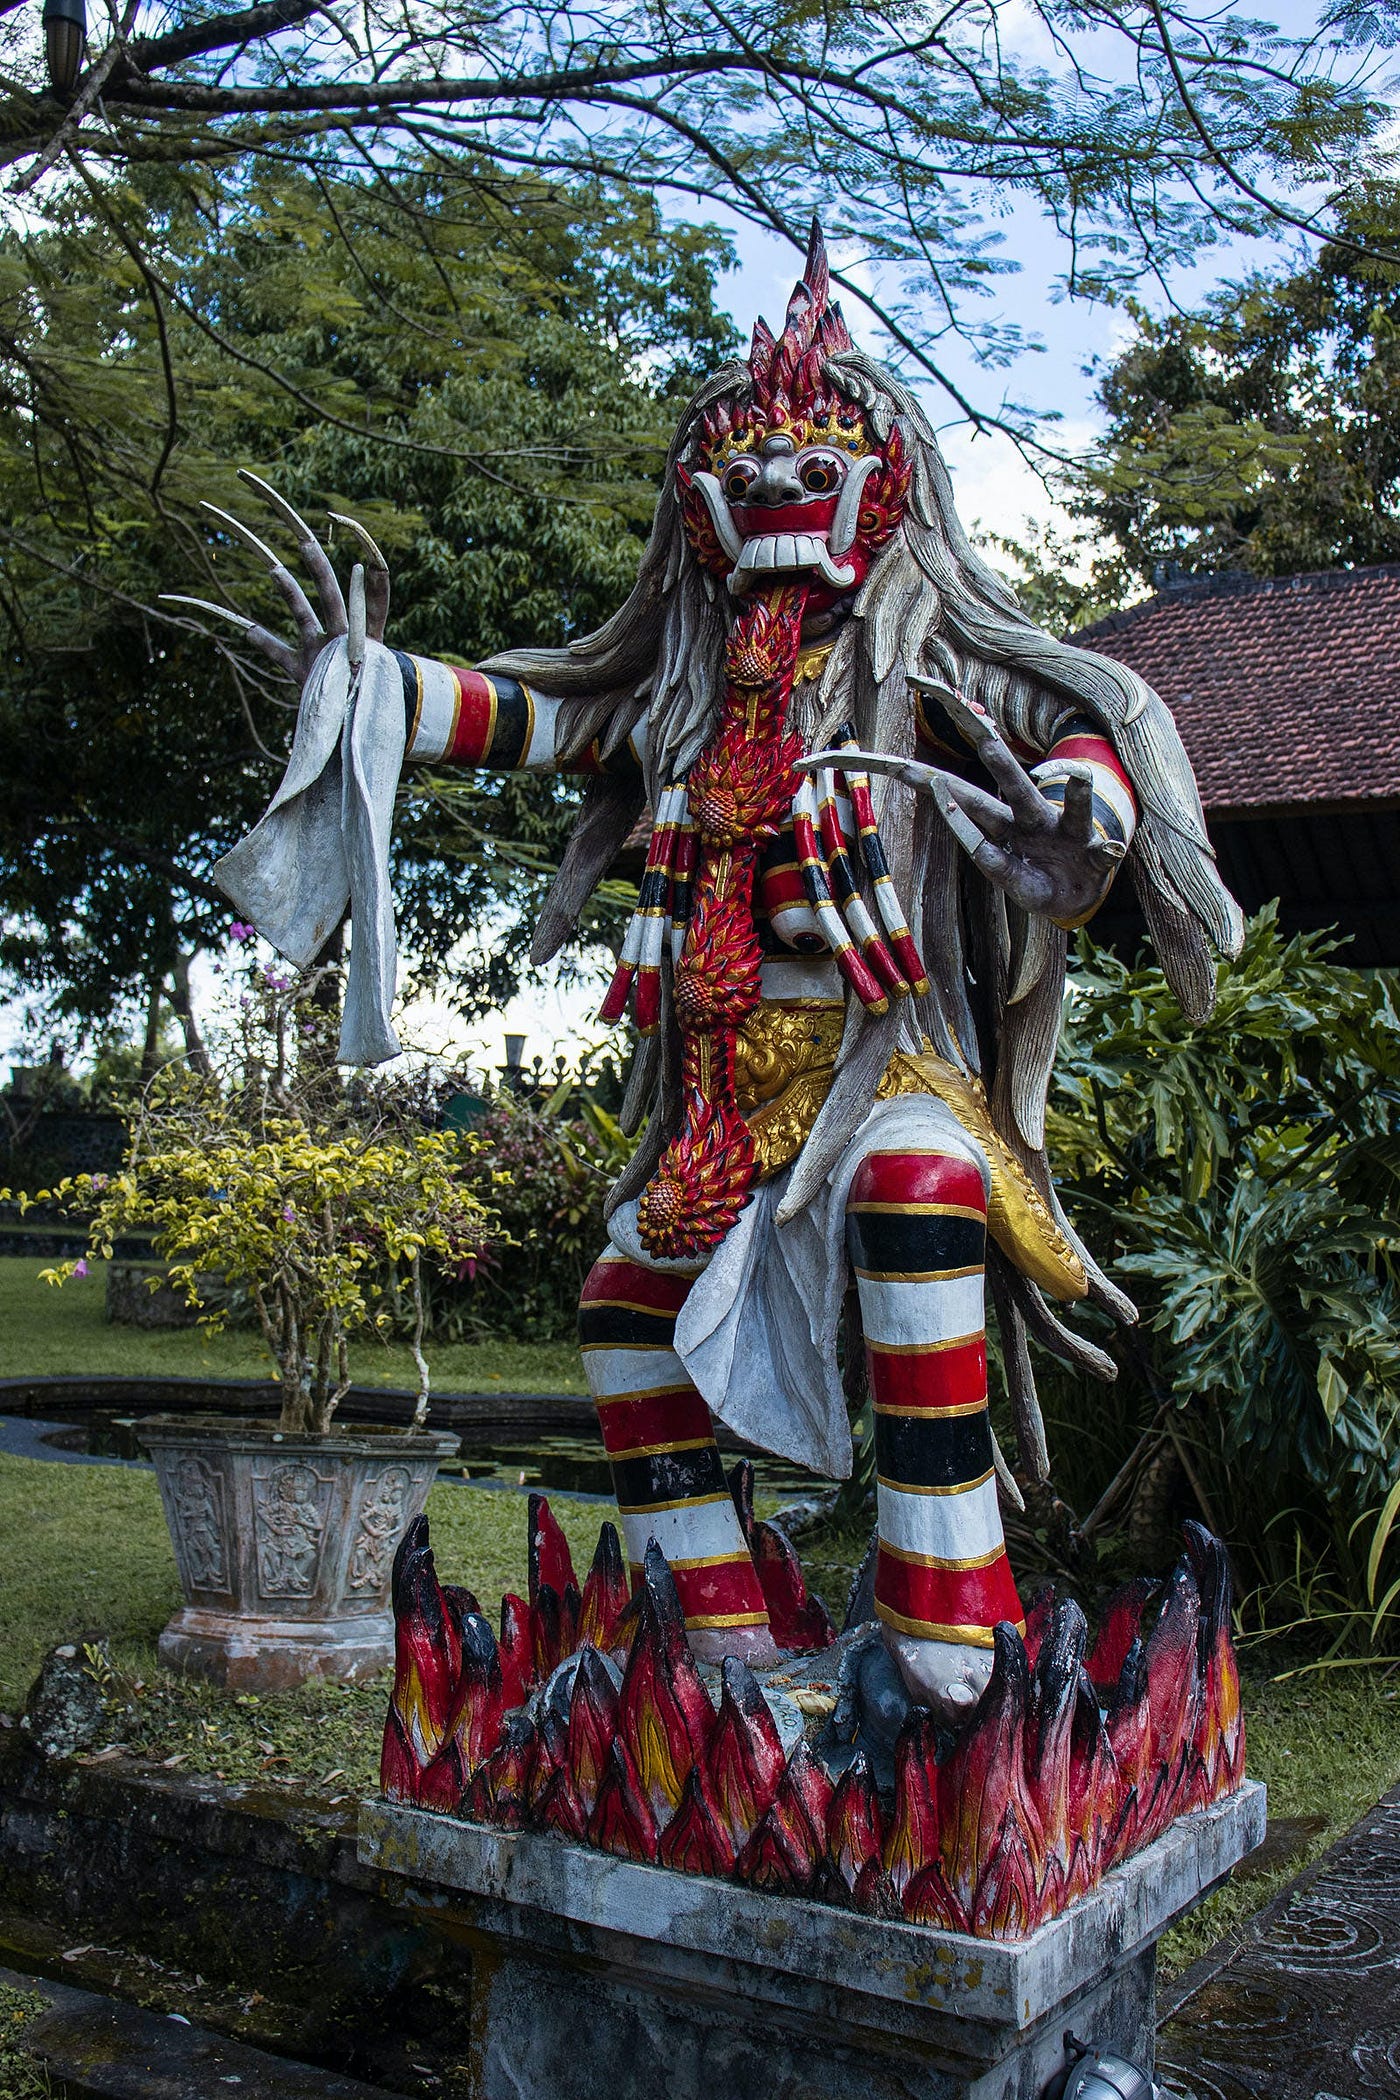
[{"x": 355, "y": 615}]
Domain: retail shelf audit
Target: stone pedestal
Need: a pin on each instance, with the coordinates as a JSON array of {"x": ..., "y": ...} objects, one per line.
[
  {"x": 285, "y": 1544},
  {"x": 594, "y": 1979}
]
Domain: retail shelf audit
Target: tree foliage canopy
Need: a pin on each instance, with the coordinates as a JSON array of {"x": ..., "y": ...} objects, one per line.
[
  {"x": 1260, "y": 431},
  {"x": 1136, "y": 133},
  {"x": 1263, "y": 432},
  {"x": 481, "y": 368}
]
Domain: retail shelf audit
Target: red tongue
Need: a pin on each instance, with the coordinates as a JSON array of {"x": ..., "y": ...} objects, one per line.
[
  {"x": 741, "y": 789},
  {"x": 757, "y": 520}
]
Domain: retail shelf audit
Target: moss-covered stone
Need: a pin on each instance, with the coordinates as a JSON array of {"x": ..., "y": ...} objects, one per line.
[{"x": 21, "y": 2077}]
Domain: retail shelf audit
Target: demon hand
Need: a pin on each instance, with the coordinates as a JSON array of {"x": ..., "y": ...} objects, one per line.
[
  {"x": 368, "y": 610},
  {"x": 1042, "y": 853}
]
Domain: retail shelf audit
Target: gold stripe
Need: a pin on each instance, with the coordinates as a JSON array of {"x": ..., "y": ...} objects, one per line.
[
  {"x": 741, "y": 1559},
  {"x": 493, "y": 709},
  {"x": 933, "y": 1560},
  {"x": 642, "y": 1348},
  {"x": 933, "y": 1413},
  {"x": 661, "y": 1312},
  {"x": 529, "y": 723},
  {"x": 919, "y": 1275},
  {"x": 926, "y": 1630},
  {"x": 919, "y": 1210},
  {"x": 956, "y": 1341},
  {"x": 649, "y": 1392},
  {"x": 733, "y": 1618},
  {"x": 417, "y": 705},
  {"x": 963, "y": 1487},
  {"x": 647, "y": 1509},
  {"x": 694, "y": 1443}
]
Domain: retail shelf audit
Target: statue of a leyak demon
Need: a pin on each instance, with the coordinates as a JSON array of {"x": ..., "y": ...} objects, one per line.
[{"x": 880, "y": 798}]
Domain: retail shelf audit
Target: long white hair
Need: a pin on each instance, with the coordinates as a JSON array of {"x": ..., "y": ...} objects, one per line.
[{"x": 997, "y": 976}]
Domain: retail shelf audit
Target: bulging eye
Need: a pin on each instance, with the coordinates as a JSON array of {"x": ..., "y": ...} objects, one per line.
[
  {"x": 738, "y": 478},
  {"x": 821, "y": 473}
]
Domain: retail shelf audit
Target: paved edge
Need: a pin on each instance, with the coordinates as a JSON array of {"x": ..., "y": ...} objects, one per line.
[
  {"x": 1209, "y": 1965},
  {"x": 161, "y": 2055}
]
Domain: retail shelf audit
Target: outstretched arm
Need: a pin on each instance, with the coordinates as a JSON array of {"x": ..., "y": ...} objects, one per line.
[
  {"x": 460, "y": 717},
  {"x": 453, "y": 716},
  {"x": 1054, "y": 838}
]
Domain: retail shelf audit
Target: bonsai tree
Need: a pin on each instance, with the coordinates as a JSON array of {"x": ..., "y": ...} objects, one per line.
[{"x": 314, "y": 1196}]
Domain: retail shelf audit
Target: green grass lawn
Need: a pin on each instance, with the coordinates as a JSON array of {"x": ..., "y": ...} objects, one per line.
[
  {"x": 60, "y": 1332},
  {"x": 84, "y": 1549}
]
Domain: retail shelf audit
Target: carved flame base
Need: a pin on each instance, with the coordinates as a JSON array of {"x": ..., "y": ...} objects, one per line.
[
  {"x": 285, "y": 1545},
  {"x": 590, "y": 1720}
]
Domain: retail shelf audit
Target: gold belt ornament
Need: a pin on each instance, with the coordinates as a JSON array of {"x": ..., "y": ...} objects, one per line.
[{"x": 785, "y": 1060}]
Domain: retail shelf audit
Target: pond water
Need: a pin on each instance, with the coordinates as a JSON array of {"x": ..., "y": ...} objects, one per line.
[{"x": 558, "y": 1461}]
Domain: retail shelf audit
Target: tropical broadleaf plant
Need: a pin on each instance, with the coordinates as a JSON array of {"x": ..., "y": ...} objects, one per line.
[{"x": 1241, "y": 1177}]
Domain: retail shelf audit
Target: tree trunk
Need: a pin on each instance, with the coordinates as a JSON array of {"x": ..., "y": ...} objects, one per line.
[
  {"x": 189, "y": 1027},
  {"x": 150, "y": 1049}
]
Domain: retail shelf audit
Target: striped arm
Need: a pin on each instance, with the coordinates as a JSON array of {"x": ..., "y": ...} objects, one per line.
[
  {"x": 1079, "y": 743},
  {"x": 459, "y": 717},
  {"x": 817, "y": 881},
  {"x": 916, "y": 1229},
  {"x": 782, "y": 896},
  {"x": 892, "y": 914},
  {"x": 683, "y": 885},
  {"x": 659, "y": 1438}
]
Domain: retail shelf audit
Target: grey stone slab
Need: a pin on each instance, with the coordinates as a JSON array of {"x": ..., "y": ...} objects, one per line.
[
  {"x": 112, "y": 2051},
  {"x": 1305, "y": 2003},
  {"x": 1008, "y": 1982},
  {"x": 597, "y": 1976}
]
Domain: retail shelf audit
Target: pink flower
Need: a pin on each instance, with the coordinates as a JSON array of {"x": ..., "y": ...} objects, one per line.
[
  {"x": 239, "y": 932},
  {"x": 80, "y": 1268}
]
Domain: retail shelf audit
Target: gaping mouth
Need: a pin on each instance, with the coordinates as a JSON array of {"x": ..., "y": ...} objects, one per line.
[
  {"x": 787, "y": 550},
  {"x": 756, "y": 554}
]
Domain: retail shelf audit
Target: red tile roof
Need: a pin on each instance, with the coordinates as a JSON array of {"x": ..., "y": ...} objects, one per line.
[{"x": 1286, "y": 690}]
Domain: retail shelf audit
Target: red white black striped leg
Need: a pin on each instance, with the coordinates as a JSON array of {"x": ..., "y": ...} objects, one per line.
[
  {"x": 916, "y": 1232},
  {"x": 667, "y": 1473}
]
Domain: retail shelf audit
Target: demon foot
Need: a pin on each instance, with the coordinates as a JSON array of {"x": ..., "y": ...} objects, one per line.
[
  {"x": 947, "y": 1676},
  {"x": 752, "y": 1644}
]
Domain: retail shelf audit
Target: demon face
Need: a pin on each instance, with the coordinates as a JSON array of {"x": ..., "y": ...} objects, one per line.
[
  {"x": 786, "y": 506},
  {"x": 788, "y": 484}
]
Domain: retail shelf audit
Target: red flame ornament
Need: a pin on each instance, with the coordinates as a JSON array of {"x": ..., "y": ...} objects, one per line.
[{"x": 1066, "y": 1766}]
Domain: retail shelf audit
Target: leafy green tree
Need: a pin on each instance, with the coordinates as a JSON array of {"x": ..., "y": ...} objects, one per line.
[
  {"x": 1243, "y": 1176},
  {"x": 1260, "y": 432},
  {"x": 481, "y": 368},
  {"x": 1263, "y": 432},
  {"x": 1134, "y": 134}
]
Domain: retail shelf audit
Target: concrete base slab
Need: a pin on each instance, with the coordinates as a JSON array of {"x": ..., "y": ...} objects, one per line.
[
  {"x": 107, "y": 2050},
  {"x": 248, "y": 1654},
  {"x": 597, "y": 1976}
]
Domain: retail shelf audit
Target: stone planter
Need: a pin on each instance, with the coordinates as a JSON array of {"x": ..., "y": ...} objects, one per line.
[{"x": 285, "y": 1544}]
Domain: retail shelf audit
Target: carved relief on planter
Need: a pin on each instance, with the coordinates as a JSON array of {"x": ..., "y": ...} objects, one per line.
[
  {"x": 200, "y": 1530},
  {"x": 289, "y": 1503},
  {"x": 285, "y": 1545},
  {"x": 383, "y": 1521}
]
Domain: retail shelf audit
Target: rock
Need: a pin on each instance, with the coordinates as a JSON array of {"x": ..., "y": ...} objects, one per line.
[
  {"x": 67, "y": 1710},
  {"x": 872, "y": 1705}
]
